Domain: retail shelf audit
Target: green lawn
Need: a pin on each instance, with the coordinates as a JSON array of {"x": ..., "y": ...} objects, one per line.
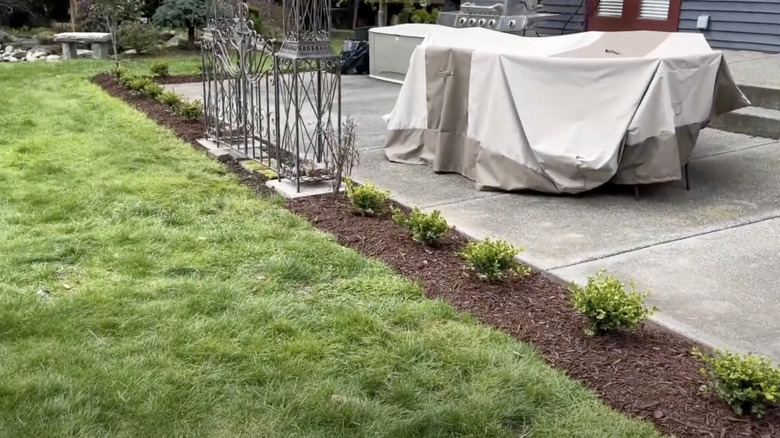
[{"x": 145, "y": 293}]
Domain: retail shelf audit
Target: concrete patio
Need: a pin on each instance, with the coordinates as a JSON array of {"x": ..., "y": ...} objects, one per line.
[{"x": 710, "y": 256}]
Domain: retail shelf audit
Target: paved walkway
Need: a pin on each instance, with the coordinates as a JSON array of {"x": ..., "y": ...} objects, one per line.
[{"x": 710, "y": 256}]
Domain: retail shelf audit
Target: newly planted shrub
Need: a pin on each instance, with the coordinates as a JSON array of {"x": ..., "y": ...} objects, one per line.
[
  {"x": 426, "y": 228},
  {"x": 608, "y": 306},
  {"x": 493, "y": 259},
  {"x": 138, "y": 83},
  {"x": 171, "y": 99},
  {"x": 747, "y": 383},
  {"x": 190, "y": 110},
  {"x": 119, "y": 71},
  {"x": 367, "y": 199},
  {"x": 160, "y": 68},
  {"x": 153, "y": 89}
]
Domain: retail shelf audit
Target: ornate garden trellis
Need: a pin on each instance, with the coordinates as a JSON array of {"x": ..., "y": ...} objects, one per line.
[
  {"x": 282, "y": 107},
  {"x": 237, "y": 74}
]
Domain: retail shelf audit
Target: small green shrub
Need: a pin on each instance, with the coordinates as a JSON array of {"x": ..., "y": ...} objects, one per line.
[
  {"x": 171, "y": 99},
  {"x": 119, "y": 71},
  {"x": 426, "y": 228},
  {"x": 138, "y": 83},
  {"x": 493, "y": 259},
  {"x": 608, "y": 306},
  {"x": 367, "y": 199},
  {"x": 190, "y": 109},
  {"x": 138, "y": 36},
  {"x": 126, "y": 78},
  {"x": 160, "y": 68},
  {"x": 747, "y": 383},
  {"x": 153, "y": 89}
]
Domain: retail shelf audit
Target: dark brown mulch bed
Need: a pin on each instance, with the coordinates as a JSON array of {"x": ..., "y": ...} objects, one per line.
[
  {"x": 649, "y": 375},
  {"x": 178, "y": 79}
]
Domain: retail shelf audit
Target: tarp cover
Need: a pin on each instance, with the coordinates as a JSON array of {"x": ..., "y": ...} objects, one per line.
[{"x": 561, "y": 114}]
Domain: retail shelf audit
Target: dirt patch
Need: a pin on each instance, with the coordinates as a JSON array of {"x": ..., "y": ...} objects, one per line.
[{"x": 649, "y": 375}]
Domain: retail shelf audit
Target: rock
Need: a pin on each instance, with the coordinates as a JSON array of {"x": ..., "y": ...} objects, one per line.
[
  {"x": 130, "y": 52},
  {"x": 176, "y": 41},
  {"x": 8, "y": 50},
  {"x": 84, "y": 53},
  {"x": 46, "y": 50},
  {"x": 53, "y": 58},
  {"x": 43, "y": 294},
  {"x": 12, "y": 59},
  {"x": 19, "y": 54},
  {"x": 25, "y": 43},
  {"x": 6, "y": 37}
]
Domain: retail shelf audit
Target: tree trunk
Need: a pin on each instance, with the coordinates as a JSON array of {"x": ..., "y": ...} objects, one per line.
[
  {"x": 355, "y": 14},
  {"x": 191, "y": 38},
  {"x": 74, "y": 11}
]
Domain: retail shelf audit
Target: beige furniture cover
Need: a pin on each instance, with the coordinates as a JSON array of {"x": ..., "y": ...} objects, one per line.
[{"x": 561, "y": 114}]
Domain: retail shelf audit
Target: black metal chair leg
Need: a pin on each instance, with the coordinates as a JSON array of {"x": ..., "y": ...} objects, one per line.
[
  {"x": 687, "y": 182},
  {"x": 636, "y": 191}
]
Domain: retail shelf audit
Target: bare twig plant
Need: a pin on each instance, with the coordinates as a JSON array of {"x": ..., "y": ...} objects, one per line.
[{"x": 346, "y": 155}]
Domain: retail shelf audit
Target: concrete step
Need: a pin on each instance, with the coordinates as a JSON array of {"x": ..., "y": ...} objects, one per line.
[
  {"x": 759, "y": 122},
  {"x": 762, "y": 97}
]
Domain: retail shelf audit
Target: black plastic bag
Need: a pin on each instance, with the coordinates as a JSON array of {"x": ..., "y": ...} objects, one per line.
[{"x": 354, "y": 57}]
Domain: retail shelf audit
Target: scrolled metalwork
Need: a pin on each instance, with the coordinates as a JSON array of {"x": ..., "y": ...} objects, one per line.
[{"x": 237, "y": 82}]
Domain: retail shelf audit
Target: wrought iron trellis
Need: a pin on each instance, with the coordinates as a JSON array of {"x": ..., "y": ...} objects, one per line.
[
  {"x": 307, "y": 75},
  {"x": 281, "y": 107},
  {"x": 238, "y": 79}
]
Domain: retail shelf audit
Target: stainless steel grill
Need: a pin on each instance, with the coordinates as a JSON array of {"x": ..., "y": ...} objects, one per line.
[{"x": 511, "y": 16}]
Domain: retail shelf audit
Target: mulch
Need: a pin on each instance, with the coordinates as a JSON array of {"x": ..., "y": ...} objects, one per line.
[
  {"x": 649, "y": 374},
  {"x": 178, "y": 79}
]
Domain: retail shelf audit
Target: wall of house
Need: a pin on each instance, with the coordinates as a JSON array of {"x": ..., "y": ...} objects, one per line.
[
  {"x": 571, "y": 19},
  {"x": 736, "y": 24}
]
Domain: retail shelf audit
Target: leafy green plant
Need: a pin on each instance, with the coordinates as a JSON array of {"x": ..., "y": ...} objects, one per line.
[
  {"x": 190, "y": 109},
  {"x": 138, "y": 83},
  {"x": 138, "y": 36},
  {"x": 153, "y": 89},
  {"x": 119, "y": 71},
  {"x": 160, "y": 68},
  {"x": 607, "y": 305},
  {"x": 170, "y": 99},
  {"x": 493, "y": 259},
  {"x": 426, "y": 228},
  {"x": 747, "y": 383},
  {"x": 366, "y": 199}
]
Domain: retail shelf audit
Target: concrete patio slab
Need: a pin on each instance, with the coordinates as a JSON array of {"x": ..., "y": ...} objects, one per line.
[
  {"x": 417, "y": 185},
  {"x": 726, "y": 190},
  {"x": 752, "y": 68},
  {"x": 722, "y": 288}
]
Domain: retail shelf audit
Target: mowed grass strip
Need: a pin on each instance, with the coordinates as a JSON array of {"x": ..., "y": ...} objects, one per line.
[{"x": 146, "y": 293}]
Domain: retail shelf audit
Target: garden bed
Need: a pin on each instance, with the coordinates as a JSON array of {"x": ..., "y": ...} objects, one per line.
[{"x": 650, "y": 374}]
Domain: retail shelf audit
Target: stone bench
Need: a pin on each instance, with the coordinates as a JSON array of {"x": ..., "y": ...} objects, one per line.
[{"x": 100, "y": 42}]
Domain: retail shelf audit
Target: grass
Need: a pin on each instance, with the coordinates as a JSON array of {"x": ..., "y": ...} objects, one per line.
[{"x": 145, "y": 292}]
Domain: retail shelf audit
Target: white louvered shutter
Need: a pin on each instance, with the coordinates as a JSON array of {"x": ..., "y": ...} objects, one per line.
[
  {"x": 654, "y": 9},
  {"x": 610, "y": 8}
]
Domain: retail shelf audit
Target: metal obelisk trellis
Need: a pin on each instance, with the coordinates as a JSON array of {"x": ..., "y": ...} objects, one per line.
[
  {"x": 237, "y": 96},
  {"x": 307, "y": 81}
]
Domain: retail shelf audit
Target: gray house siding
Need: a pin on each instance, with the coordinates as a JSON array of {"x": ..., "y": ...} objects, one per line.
[
  {"x": 736, "y": 24},
  {"x": 570, "y": 21}
]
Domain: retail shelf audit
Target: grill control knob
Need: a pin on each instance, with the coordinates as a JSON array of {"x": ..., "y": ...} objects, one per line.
[
  {"x": 492, "y": 23},
  {"x": 462, "y": 21},
  {"x": 481, "y": 22},
  {"x": 472, "y": 21},
  {"x": 512, "y": 23}
]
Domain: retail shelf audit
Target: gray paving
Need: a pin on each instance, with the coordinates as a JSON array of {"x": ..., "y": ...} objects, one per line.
[
  {"x": 709, "y": 255},
  {"x": 754, "y": 68}
]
